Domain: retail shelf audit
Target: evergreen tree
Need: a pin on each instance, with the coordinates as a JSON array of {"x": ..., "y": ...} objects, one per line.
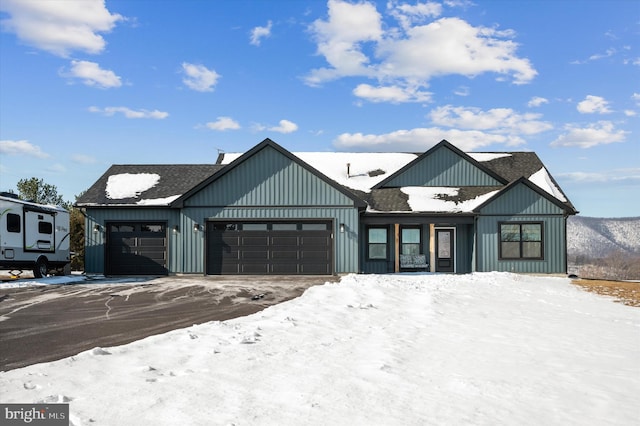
[{"x": 36, "y": 190}]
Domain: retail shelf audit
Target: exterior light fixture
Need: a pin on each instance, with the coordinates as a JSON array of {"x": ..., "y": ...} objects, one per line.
[
  {"x": 342, "y": 227},
  {"x": 196, "y": 227},
  {"x": 176, "y": 229},
  {"x": 96, "y": 228}
]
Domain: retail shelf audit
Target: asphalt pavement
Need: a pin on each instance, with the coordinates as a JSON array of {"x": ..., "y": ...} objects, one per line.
[{"x": 50, "y": 322}]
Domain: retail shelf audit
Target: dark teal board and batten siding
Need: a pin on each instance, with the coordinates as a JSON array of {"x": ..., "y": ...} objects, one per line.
[
  {"x": 345, "y": 243},
  {"x": 270, "y": 186},
  {"x": 268, "y": 178},
  {"x": 443, "y": 167},
  {"x": 554, "y": 246},
  {"x": 521, "y": 204},
  {"x": 464, "y": 245},
  {"x": 521, "y": 200},
  {"x": 95, "y": 241}
]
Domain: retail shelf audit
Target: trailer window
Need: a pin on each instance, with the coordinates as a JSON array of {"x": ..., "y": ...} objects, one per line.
[
  {"x": 45, "y": 228},
  {"x": 13, "y": 222}
]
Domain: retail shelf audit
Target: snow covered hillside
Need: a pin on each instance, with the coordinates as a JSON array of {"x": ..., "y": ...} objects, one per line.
[
  {"x": 599, "y": 237},
  {"x": 408, "y": 349}
]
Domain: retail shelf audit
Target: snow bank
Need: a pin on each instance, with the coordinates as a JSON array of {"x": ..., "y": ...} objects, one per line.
[
  {"x": 55, "y": 280},
  {"x": 412, "y": 349}
]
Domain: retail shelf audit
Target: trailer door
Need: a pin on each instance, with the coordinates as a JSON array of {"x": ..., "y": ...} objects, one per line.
[{"x": 38, "y": 231}]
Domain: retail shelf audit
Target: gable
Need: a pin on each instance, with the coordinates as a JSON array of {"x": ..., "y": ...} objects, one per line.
[
  {"x": 443, "y": 165},
  {"x": 268, "y": 176},
  {"x": 522, "y": 197}
]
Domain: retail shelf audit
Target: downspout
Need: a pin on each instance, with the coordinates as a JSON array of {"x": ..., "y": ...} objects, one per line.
[
  {"x": 475, "y": 243},
  {"x": 566, "y": 255}
]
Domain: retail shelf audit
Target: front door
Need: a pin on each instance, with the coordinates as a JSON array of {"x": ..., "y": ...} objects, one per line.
[{"x": 445, "y": 250}]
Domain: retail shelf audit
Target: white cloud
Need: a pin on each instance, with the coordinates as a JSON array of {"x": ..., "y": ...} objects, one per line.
[
  {"x": 537, "y": 101},
  {"x": 594, "y": 104},
  {"x": 130, "y": 113},
  {"x": 199, "y": 78},
  {"x": 58, "y": 26},
  {"x": 600, "y": 133},
  {"x": 223, "y": 123},
  {"x": 22, "y": 147},
  {"x": 636, "y": 98},
  {"x": 354, "y": 42},
  {"x": 629, "y": 175},
  {"x": 408, "y": 15},
  {"x": 468, "y": 127},
  {"x": 630, "y": 113},
  {"x": 462, "y": 91},
  {"x": 420, "y": 140},
  {"x": 92, "y": 75},
  {"x": 393, "y": 94},
  {"x": 339, "y": 40},
  {"x": 56, "y": 168},
  {"x": 83, "y": 159},
  {"x": 258, "y": 33},
  {"x": 608, "y": 53},
  {"x": 498, "y": 120},
  {"x": 284, "y": 126}
]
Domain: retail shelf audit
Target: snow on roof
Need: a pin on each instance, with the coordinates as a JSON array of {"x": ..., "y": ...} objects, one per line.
[
  {"x": 543, "y": 180},
  {"x": 31, "y": 203},
  {"x": 130, "y": 185},
  {"x": 366, "y": 169},
  {"x": 487, "y": 156},
  {"x": 434, "y": 199},
  {"x": 159, "y": 201}
]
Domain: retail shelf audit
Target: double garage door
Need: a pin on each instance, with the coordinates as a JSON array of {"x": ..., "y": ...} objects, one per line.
[
  {"x": 262, "y": 248},
  {"x": 137, "y": 248}
]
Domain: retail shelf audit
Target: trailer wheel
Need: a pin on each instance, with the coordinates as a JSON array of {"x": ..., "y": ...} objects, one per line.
[{"x": 41, "y": 268}]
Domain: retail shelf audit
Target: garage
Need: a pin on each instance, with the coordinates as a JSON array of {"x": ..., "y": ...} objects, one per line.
[
  {"x": 264, "y": 248},
  {"x": 136, "y": 248}
]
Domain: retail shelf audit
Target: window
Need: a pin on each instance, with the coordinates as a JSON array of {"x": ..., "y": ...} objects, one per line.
[
  {"x": 284, "y": 227},
  {"x": 221, "y": 226},
  {"x": 122, "y": 228},
  {"x": 13, "y": 222},
  {"x": 314, "y": 226},
  {"x": 254, "y": 226},
  {"x": 410, "y": 241},
  {"x": 377, "y": 240},
  {"x": 152, "y": 228},
  {"x": 45, "y": 228},
  {"x": 521, "y": 241}
]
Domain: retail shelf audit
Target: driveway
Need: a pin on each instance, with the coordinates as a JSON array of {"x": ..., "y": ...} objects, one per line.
[{"x": 50, "y": 322}]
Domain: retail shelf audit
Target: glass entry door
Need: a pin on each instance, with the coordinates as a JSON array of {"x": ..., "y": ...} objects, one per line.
[{"x": 445, "y": 250}]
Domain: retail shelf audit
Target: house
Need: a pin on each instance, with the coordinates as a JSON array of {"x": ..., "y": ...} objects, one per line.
[{"x": 270, "y": 211}]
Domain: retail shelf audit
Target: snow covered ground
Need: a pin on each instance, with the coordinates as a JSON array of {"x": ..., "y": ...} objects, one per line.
[{"x": 409, "y": 349}]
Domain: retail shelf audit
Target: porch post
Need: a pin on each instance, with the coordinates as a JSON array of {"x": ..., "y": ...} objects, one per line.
[
  {"x": 432, "y": 247},
  {"x": 397, "y": 247}
]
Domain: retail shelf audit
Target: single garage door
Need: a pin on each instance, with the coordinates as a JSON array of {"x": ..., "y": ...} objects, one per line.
[
  {"x": 262, "y": 248},
  {"x": 136, "y": 248}
]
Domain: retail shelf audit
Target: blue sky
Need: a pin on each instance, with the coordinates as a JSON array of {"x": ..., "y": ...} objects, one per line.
[{"x": 84, "y": 85}]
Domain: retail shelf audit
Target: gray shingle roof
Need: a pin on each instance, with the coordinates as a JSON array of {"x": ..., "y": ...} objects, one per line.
[
  {"x": 175, "y": 179},
  {"x": 516, "y": 165}
]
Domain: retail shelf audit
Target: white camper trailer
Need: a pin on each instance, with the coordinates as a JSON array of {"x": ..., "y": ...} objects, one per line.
[{"x": 33, "y": 236}]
